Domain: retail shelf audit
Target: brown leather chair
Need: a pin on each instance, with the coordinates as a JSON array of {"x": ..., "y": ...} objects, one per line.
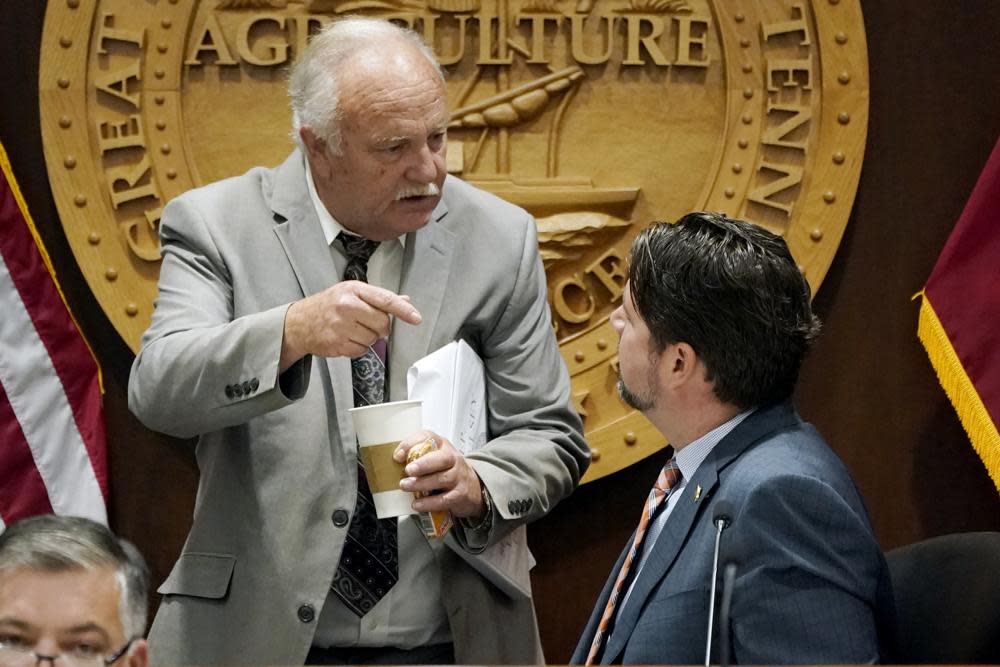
[{"x": 947, "y": 592}]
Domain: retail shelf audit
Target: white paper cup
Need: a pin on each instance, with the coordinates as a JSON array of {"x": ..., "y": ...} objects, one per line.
[{"x": 380, "y": 428}]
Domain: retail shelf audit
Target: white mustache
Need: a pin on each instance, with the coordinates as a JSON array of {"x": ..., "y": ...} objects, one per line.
[{"x": 428, "y": 190}]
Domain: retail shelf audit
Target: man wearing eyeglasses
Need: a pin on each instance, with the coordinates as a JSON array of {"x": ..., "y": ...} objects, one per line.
[{"x": 71, "y": 595}]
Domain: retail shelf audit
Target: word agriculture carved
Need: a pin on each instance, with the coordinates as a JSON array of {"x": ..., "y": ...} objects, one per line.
[{"x": 598, "y": 116}]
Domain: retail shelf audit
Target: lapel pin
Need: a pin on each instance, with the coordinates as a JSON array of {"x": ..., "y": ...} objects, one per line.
[{"x": 697, "y": 493}]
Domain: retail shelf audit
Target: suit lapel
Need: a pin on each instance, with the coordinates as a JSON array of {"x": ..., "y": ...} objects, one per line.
[
  {"x": 298, "y": 228},
  {"x": 426, "y": 265},
  {"x": 587, "y": 638},
  {"x": 301, "y": 236},
  {"x": 668, "y": 545},
  {"x": 688, "y": 511}
]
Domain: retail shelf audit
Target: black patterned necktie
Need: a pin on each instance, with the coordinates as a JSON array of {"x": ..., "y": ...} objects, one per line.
[{"x": 369, "y": 563}]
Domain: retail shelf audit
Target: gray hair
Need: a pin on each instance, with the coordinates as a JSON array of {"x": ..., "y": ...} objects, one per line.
[
  {"x": 313, "y": 84},
  {"x": 53, "y": 543}
]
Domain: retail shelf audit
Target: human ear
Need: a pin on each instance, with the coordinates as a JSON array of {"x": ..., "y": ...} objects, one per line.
[
  {"x": 138, "y": 655},
  {"x": 314, "y": 145},
  {"x": 680, "y": 363}
]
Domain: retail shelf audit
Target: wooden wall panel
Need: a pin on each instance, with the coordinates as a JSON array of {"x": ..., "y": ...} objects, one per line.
[{"x": 868, "y": 385}]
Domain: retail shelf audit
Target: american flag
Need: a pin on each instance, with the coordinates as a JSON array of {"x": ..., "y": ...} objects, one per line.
[{"x": 52, "y": 442}]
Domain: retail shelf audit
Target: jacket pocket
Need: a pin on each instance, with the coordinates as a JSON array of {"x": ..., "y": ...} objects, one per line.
[{"x": 202, "y": 575}]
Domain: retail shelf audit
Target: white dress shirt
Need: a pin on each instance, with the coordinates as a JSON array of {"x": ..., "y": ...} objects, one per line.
[
  {"x": 688, "y": 458},
  {"x": 411, "y": 614}
]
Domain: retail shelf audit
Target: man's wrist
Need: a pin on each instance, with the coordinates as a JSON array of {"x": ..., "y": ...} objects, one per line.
[
  {"x": 484, "y": 524},
  {"x": 290, "y": 352}
]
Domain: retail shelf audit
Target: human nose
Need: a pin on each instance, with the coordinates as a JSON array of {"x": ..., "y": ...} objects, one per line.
[
  {"x": 41, "y": 657},
  {"x": 426, "y": 165}
]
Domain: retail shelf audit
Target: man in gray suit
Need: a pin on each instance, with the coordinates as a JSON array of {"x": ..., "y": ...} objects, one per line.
[
  {"x": 251, "y": 349},
  {"x": 714, "y": 325}
]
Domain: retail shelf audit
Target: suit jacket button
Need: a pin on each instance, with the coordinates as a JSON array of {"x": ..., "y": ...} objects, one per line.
[
  {"x": 246, "y": 387},
  {"x": 254, "y": 384},
  {"x": 340, "y": 518},
  {"x": 229, "y": 391},
  {"x": 511, "y": 507},
  {"x": 307, "y": 613},
  {"x": 238, "y": 389}
]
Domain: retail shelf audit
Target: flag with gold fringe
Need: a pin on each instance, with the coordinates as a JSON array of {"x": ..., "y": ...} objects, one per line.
[
  {"x": 959, "y": 321},
  {"x": 52, "y": 438}
]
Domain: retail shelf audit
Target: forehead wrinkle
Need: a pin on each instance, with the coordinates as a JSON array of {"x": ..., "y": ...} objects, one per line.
[
  {"x": 383, "y": 95},
  {"x": 409, "y": 106},
  {"x": 381, "y": 70},
  {"x": 395, "y": 120}
]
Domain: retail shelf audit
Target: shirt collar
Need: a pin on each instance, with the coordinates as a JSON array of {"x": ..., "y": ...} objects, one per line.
[
  {"x": 331, "y": 228},
  {"x": 690, "y": 457}
]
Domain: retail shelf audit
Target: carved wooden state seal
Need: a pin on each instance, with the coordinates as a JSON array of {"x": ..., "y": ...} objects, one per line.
[{"x": 598, "y": 116}]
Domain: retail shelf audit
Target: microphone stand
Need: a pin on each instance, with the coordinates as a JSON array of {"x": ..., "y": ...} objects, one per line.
[
  {"x": 720, "y": 524},
  {"x": 728, "y": 579}
]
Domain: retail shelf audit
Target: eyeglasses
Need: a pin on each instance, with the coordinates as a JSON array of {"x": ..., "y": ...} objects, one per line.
[{"x": 22, "y": 655}]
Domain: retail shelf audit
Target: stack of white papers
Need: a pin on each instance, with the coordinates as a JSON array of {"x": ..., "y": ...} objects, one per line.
[{"x": 452, "y": 385}]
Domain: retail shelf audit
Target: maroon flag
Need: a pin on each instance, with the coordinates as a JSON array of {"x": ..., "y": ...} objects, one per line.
[
  {"x": 52, "y": 445},
  {"x": 960, "y": 316}
]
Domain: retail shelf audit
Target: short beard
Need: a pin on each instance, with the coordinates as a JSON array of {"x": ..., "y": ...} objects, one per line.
[{"x": 634, "y": 400}]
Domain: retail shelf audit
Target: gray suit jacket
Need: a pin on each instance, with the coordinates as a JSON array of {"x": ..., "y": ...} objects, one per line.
[
  {"x": 812, "y": 585},
  {"x": 277, "y": 454}
]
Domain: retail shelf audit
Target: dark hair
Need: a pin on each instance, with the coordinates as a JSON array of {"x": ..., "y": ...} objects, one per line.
[
  {"x": 53, "y": 543},
  {"x": 732, "y": 291}
]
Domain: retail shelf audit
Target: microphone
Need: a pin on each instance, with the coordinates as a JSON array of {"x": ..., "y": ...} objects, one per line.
[
  {"x": 728, "y": 578},
  {"x": 722, "y": 517}
]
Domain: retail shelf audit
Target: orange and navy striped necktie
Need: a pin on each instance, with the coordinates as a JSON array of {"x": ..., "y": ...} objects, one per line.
[{"x": 668, "y": 478}]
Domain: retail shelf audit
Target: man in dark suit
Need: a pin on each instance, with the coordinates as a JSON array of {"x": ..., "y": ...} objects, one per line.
[{"x": 713, "y": 327}]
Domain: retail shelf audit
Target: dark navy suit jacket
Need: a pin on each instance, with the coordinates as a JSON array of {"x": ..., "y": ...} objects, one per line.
[{"x": 812, "y": 585}]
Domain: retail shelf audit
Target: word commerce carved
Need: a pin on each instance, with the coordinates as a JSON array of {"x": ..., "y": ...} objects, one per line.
[{"x": 598, "y": 116}]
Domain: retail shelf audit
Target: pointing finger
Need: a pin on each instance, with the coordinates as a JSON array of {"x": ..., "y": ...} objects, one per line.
[{"x": 390, "y": 303}]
